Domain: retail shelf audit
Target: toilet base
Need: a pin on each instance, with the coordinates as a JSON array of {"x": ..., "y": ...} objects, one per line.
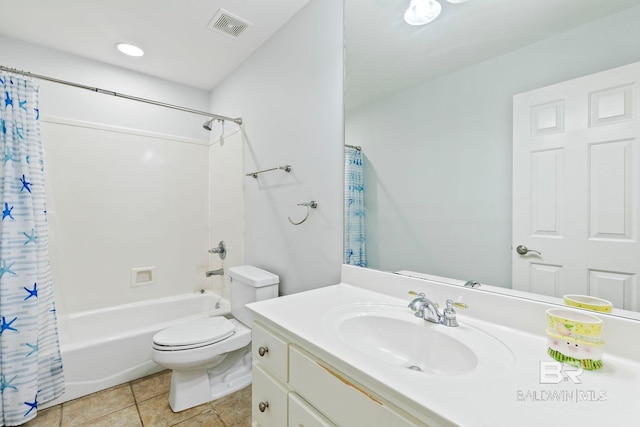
[{"x": 194, "y": 387}]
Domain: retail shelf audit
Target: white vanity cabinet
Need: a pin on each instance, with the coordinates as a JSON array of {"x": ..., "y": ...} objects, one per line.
[
  {"x": 339, "y": 397},
  {"x": 301, "y": 414},
  {"x": 292, "y": 387},
  {"x": 269, "y": 399},
  {"x": 269, "y": 390}
]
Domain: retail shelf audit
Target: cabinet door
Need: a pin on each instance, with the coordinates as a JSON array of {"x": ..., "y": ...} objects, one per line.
[
  {"x": 271, "y": 350},
  {"x": 269, "y": 405},
  {"x": 338, "y": 398},
  {"x": 303, "y": 415}
]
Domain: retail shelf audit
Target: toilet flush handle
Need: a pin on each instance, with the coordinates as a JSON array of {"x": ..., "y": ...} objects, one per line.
[{"x": 263, "y": 350}]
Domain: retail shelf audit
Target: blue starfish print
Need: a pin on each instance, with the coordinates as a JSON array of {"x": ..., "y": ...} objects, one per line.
[
  {"x": 33, "y": 405},
  {"x": 3, "y": 124},
  {"x": 23, "y": 105},
  {"x": 32, "y": 238},
  {"x": 7, "y": 326},
  {"x": 7, "y": 100},
  {"x": 33, "y": 347},
  {"x": 6, "y": 269},
  {"x": 8, "y": 155},
  {"x": 1, "y": 81},
  {"x": 19, "y": 132},
  {"x": 4, "y": 384},
  {"x": 27, "y": 158},
  {"x": 37, "y": 110},
  {"x": 25, "y": 184},
  {"x": 32, "y": 292},
  {"x": 7, "y": 212}
]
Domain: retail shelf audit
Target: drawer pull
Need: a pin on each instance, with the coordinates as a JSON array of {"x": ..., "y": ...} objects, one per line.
[
  {"x": 263, "y": 406},
  {"x": 262, "y": 351}
]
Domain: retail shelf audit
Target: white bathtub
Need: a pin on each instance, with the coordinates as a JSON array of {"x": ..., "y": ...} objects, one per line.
[{"x": 106, "y": 347}]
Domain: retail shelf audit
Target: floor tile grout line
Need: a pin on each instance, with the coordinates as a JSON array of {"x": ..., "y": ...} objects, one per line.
[
  {"x": 215, "y": 411},
  {"x": 135, "y": 402},
  {"x": 102, "y": 415},
  {"x": 93, "y": 420},
  {"x": 139, "y": 415}
]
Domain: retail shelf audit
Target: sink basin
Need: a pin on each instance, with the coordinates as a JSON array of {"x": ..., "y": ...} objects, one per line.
[{"x": 393, "y": 335}]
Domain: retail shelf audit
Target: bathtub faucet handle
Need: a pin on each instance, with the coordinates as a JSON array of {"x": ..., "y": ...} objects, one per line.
[{"x": 221, "y": 250}]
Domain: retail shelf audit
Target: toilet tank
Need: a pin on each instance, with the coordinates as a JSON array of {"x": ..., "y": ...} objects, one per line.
[{"x": 250, "y": 284}]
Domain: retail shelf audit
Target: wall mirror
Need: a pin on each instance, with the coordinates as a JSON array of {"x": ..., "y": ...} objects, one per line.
[{"x": 431, "y": 107}]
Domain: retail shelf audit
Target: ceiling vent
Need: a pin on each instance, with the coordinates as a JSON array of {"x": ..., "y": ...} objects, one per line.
[{"x": 228, "y": 24}]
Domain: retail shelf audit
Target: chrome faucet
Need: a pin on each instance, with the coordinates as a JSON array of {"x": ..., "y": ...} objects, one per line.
[
  {"x": 218, "y": 272},
  {"x": 428, "y": 310}
]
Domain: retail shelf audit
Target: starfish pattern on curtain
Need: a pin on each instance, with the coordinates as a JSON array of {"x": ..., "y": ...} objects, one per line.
[{"x": 30, "y": 361}]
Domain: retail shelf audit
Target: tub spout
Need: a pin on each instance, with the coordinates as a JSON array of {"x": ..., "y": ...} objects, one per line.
[{"x": 218, "y": 272}]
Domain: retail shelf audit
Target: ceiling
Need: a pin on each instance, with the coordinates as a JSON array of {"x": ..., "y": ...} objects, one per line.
[
  {"x": 384, "y": 54},
  {"x": 174, "y": 35}
]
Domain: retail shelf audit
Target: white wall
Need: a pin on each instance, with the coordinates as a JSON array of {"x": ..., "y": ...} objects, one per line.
[
  {"x": 128, "y": 183},
  {"x": 438, "y": 156},
  {"x": 73, "y": 103},
  {"x": 226, "y": 205},
  {"x": 289, "y": 94}
]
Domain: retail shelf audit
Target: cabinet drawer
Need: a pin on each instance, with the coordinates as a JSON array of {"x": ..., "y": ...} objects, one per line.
[
  {"x": 337, "y": 397},
  {"x": 303, "y": 415},
  {"x": 269, "y": 404},
  {"x": 271, "y": 350}
]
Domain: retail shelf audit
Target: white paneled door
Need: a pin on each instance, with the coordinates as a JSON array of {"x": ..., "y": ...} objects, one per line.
[{"x": 576, "y": 184}]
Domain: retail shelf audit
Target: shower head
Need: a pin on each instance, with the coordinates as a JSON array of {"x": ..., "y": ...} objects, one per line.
[{"x": 208, "y": 125}]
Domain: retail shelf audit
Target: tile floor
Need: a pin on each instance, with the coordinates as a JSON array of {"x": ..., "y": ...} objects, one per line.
[{"x": 144, "y": 403}]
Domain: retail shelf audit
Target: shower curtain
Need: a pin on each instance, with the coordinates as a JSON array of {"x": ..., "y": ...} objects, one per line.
[
  {"x": 354, "y": 237},
  {"x": 30, "y": 362}
]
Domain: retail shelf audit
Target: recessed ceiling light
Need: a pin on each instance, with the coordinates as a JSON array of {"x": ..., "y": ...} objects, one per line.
[
  {"x": 422, "y": 12},
  {"x": 129, "y": 49}
]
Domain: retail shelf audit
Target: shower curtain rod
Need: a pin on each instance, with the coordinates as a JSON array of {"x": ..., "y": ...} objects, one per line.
[
  {"x": 355, "y": 147},
  {"x": 237, "y": 120}
]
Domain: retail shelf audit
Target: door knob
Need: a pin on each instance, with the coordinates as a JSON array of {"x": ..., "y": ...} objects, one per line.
[{"x": 523, "y": 250}]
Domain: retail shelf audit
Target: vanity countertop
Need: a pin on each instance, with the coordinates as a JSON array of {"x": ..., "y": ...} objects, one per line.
[{"x": 514, "y": 397}]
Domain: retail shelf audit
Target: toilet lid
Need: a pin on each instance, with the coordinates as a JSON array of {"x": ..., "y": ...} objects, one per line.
[{"x": 197, "y": 331}]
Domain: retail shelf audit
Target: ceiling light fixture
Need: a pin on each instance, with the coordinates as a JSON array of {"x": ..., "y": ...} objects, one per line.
[
  {"x": 129, "y": 49},
  {"x": 422, "y": 12}
]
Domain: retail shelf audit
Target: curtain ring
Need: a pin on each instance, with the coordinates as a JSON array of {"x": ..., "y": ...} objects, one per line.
[{"x": 310, "y": 205}]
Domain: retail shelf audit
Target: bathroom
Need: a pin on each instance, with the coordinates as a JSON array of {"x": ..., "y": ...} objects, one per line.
[{"x": 179, "y": 190}]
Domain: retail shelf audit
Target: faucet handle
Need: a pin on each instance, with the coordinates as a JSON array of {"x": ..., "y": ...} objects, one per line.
[
  {"x": 459, "y": 305},
  {"x": 449, "y": 314}
]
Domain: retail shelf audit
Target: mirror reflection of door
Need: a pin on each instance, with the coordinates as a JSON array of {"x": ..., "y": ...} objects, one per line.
[{"x": 576, "y": 161}]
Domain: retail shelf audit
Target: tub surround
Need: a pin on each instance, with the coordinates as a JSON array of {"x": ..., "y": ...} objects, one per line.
[{"x": 518, "y": 395}]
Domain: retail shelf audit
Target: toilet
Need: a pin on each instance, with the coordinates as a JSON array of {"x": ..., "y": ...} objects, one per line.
[{"x": 210, "y": 357}]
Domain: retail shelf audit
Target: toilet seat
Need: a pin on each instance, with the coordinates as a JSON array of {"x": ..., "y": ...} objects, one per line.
[{"x": 194, "y": 334}]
